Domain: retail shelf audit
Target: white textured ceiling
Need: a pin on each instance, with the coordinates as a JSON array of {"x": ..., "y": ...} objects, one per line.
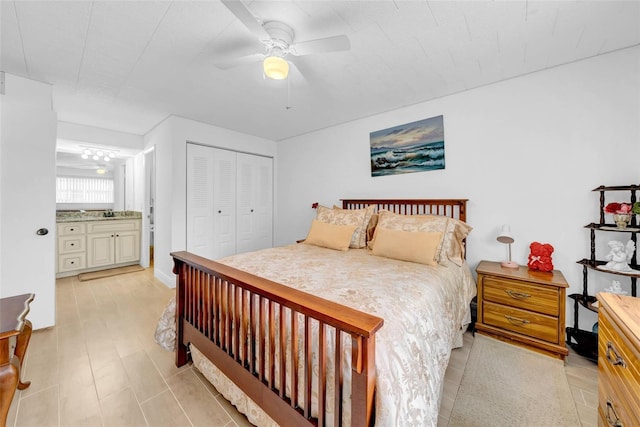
[{"x": 126, "y": 65}]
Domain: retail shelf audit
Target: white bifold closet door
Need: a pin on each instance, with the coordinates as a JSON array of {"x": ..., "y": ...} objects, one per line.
[
  {"x": 229, "y": 202},
  {"x": 254, "y": 224}
]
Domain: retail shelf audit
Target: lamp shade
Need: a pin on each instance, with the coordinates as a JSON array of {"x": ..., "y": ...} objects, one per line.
[
  {"x": 505, "y": 235},
  {"x": 275, "y": 67}
]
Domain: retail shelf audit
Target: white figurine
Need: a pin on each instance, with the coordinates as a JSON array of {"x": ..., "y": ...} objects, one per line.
[
  {"x": 620, "y": 255},
  {"x": 616, "y": 288}
]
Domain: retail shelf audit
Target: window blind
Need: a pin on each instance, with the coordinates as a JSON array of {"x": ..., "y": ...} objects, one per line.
[{"x": 84, "y": 190}]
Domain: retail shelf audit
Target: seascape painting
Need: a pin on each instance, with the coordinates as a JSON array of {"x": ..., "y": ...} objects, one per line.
[{"x": 412, "y": 147}]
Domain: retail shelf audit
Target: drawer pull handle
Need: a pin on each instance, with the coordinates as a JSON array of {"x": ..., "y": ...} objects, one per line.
[
  {"x": 617, "y": 360},
  {"x": 517, "y": 295},
  {"x": 615, "y": 421},
  {"x": 516, "y": 320}
]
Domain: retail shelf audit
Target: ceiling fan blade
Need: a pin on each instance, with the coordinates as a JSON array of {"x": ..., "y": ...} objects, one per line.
[
  {"x": 239, "y": 9},
  {"x": 328, "y": 44},
  {"x": 296, "y": 75},
  {"x": 242, "y": 60}
]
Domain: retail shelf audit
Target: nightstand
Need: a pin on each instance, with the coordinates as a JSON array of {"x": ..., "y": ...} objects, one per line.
[{"x": 522, "y": 307}]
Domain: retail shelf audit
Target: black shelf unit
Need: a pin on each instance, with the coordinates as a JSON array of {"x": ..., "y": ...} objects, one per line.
[{"x": 585, "y": 342}]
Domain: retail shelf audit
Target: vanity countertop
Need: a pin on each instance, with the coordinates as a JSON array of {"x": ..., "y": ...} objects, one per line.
[{"x": 77, "y": 216}]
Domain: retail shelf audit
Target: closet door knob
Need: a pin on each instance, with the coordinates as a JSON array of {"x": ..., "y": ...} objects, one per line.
[{"x": 219, "y": 211}]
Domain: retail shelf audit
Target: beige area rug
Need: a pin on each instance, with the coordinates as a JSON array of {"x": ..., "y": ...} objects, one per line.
[
  {"x": 505, "y": 385},
  {"x": 83, "y": 277}
]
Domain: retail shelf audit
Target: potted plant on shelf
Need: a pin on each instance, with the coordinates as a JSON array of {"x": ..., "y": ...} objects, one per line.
[{"x": 621, "y": 213}]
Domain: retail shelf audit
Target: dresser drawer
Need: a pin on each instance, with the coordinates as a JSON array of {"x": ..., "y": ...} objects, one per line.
[
  {"x": 523, "y": 322},
  {"x": 613, "y": 402},
  {"x": 70, "y": 244},
  {"x": 619, "y": 363},
  {"x": 71, "y": 262},
  {"x": 70, "y": 229},
  {"x": 620, "y": 346},
  {"x": 531, "y": 297}
]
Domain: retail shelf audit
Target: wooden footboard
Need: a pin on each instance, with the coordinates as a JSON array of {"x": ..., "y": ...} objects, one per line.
[{"x": 251, "y": 329}]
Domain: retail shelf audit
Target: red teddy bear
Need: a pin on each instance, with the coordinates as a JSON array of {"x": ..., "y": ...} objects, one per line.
[{"x": 540, "y": 256}]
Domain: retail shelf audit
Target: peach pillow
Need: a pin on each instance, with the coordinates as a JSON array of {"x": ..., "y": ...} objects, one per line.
[
  {"x": 371, "y": 224},
  {"x": 453, "y": 232},
  {"x": 412, "y": 246},
  {"x": 358, "y": 217},
  {"x": 330, "y": 236}
]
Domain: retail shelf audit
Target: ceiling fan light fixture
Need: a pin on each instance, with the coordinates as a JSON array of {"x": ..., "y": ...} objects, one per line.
[{"x": 275, "y": 67}]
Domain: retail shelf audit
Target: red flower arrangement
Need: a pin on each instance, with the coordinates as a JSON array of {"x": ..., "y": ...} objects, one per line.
[
  {"x": 314, "y": 205},
  {"x": 618, "y": 208}
]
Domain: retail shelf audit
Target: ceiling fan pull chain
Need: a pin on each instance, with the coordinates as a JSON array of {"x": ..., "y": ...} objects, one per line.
[{"x": 288, "y": 107}]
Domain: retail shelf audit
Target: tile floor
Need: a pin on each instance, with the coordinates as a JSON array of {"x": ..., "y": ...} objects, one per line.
[{"x": 99, "y": 366}]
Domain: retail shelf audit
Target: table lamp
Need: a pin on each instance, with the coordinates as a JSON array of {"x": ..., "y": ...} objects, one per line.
[{"x": 505, "y": 237}]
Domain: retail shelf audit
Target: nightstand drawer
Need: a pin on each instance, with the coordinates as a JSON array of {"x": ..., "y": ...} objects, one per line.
[
  {"x": 521, "y": 321},
  {"x": 539, "y": 298}
]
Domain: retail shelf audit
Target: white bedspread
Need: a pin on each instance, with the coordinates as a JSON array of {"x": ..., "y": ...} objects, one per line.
[{"x": 424, "y": 309}]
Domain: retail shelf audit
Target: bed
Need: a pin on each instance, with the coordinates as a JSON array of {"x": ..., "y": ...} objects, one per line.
[{"x": 305, "y": 335}]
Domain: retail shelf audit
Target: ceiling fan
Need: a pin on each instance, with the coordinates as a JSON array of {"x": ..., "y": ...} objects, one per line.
[{"x": 279, "y": 41}]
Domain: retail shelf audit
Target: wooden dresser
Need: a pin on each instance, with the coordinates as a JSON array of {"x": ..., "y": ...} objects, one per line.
[
  {"x": 523, "y": 307},
  {"x": 618, "y": 360}
]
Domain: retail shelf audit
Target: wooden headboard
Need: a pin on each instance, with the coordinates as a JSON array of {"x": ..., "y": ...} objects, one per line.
[{"x": 453, "y": 208}]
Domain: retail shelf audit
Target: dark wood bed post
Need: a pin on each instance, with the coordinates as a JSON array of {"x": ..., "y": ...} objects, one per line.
[{"x": 182, "y": 355}]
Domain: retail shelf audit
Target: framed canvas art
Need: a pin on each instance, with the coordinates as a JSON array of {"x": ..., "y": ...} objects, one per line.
[{"x": 412, "y": 147}]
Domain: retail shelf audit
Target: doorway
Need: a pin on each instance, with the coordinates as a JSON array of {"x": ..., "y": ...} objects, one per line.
[{"x": 149, "y": 206}]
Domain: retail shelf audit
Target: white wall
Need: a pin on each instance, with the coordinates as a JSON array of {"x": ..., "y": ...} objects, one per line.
[
  {"x": 525, "y": 152},
  {"x": 27, "y": 195},
  {"x": 99, "y": 136},
  {"x": 170, "y": 138},
  {"x": 134, "y": 183}
]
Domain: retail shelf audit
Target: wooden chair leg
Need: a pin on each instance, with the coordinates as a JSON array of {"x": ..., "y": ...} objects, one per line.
[
  {"x": 8, "y": 380},
  {"x": 21, "y": 349}
]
